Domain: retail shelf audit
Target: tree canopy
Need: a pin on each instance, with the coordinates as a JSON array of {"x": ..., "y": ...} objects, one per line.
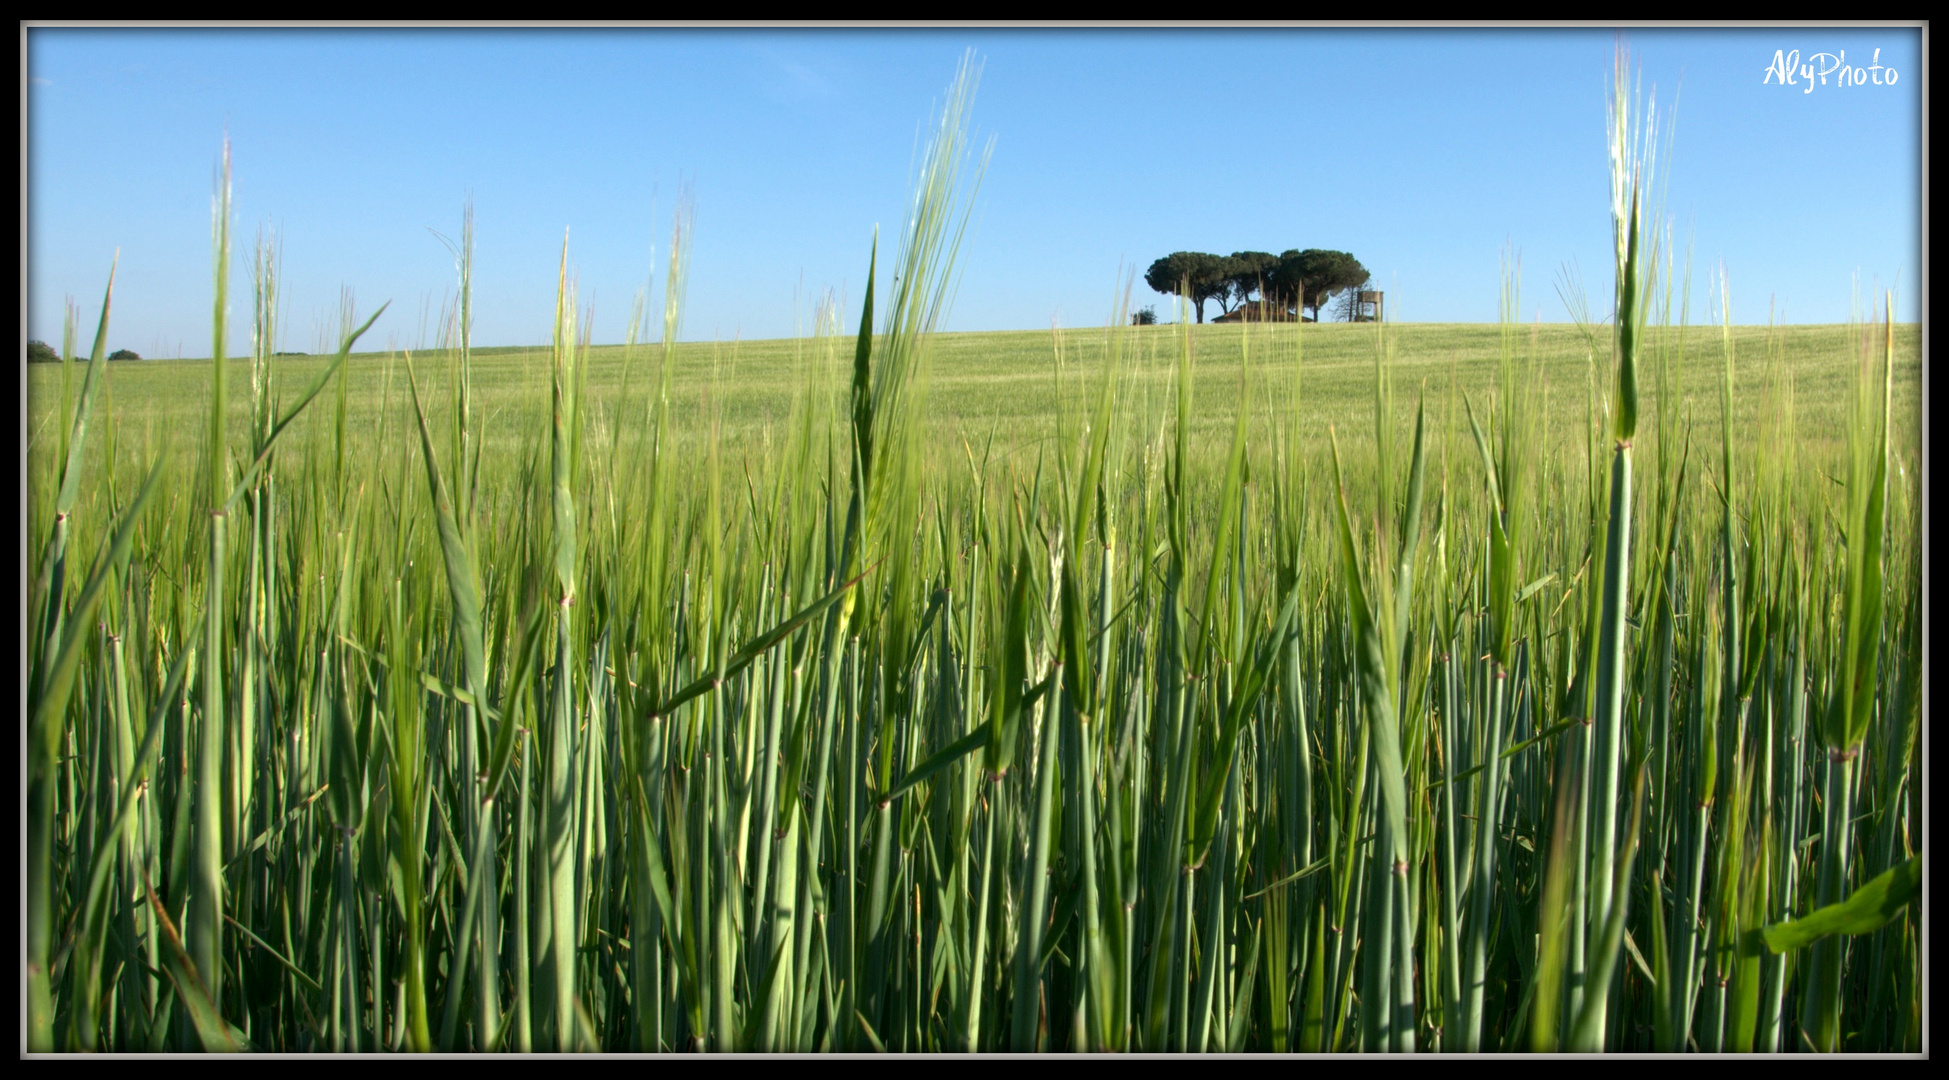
[
  {"x": 1200, "y": 276},
  {"x": 1307, "y": 278},
  {"x": 1194, "y": 275},
  {"x": 1303, "y": 279},
  {"x": 1251, "y": 271}
]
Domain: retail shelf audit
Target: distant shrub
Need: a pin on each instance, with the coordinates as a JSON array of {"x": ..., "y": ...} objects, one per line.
[
  {"x": 1145, "y": 316},
  {"x": 125, "y": 354},
  {"x": 40, "y": 352}
]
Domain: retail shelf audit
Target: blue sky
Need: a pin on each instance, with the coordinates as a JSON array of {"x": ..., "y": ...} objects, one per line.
[{"x": 1421, "y": 152}]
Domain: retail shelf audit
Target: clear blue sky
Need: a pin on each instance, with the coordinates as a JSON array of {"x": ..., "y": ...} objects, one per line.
[{"x": 1421, "y": 152}]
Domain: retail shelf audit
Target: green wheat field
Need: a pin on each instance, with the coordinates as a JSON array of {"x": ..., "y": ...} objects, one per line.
[{"x": 1325, "y": 688}]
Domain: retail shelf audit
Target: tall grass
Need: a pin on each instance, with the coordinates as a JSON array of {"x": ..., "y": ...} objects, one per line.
[{"x": 1124, "y": 739}]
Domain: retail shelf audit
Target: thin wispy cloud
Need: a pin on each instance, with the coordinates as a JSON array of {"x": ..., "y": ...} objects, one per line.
[{"x": 793, "y": 78}]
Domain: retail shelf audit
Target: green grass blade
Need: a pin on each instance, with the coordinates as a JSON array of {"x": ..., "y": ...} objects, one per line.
[{"x": 1867, "y": 909}]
